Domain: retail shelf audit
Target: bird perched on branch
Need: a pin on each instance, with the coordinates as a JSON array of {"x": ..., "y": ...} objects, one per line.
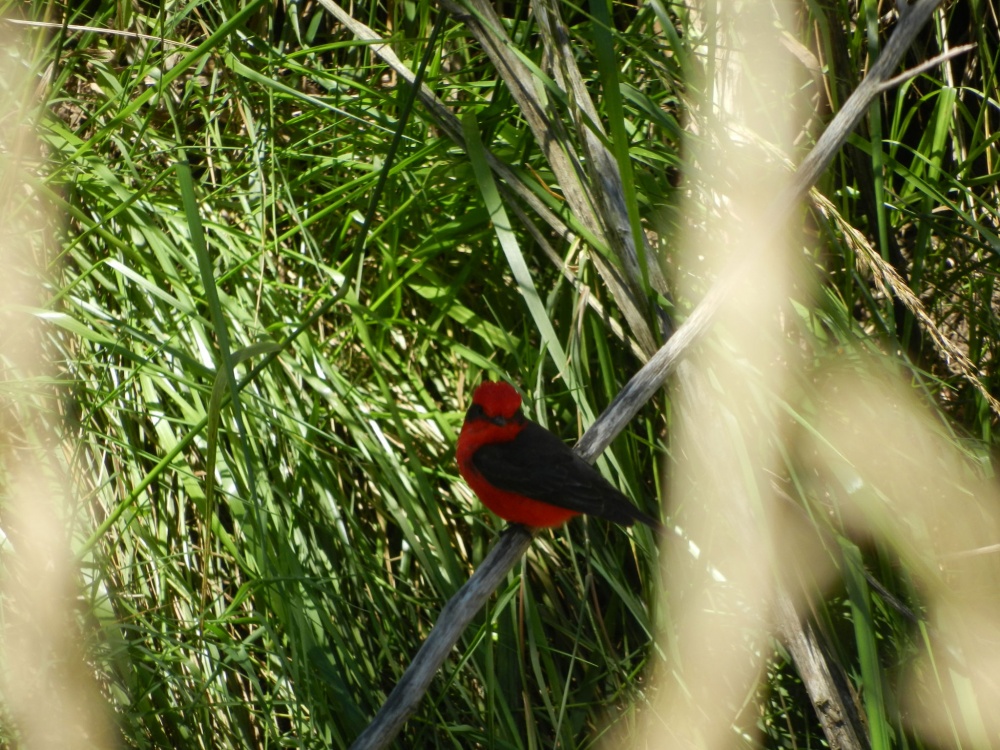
[{"x": 525, "y": 474}]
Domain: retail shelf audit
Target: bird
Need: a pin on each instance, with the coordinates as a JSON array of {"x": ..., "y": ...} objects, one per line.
[{"x": 526, "y": 474}]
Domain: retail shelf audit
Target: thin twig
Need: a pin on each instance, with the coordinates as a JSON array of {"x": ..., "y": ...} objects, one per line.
[
  {"x": 918, "y": 69},
  {"x": 99, "y": 30}
]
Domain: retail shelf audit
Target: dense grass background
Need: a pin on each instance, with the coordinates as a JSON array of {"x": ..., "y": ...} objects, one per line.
[{"x": 245, "y": 197}]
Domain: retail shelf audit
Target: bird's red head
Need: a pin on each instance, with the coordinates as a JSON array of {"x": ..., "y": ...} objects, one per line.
[{"x": 497, "y": 400}]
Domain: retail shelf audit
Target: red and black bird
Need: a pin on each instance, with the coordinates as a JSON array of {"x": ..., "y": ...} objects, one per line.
[{"x": 525, "y": 474}]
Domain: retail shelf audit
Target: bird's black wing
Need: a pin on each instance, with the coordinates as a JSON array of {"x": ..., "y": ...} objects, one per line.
[{"x": 540, "y": 466}]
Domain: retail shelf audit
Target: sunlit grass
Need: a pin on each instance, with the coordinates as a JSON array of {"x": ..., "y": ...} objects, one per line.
[{"x": 279, "y": 602}]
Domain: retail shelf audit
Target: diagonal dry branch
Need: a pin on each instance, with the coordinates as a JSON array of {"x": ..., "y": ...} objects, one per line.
[
  {"x": 511, "y": 182},
  {"x": 651, "y": 377},
  {"x": 460, "y": 610},
  {"x": 602, "y": 168},
  {"x": 593, "y": 190}
]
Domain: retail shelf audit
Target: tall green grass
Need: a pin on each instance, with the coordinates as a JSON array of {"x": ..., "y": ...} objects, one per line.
[{"x": 257, "y": 571}]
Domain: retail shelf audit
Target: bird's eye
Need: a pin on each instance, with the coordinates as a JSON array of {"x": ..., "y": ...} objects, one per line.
[{"x": 500, "y": 420}]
